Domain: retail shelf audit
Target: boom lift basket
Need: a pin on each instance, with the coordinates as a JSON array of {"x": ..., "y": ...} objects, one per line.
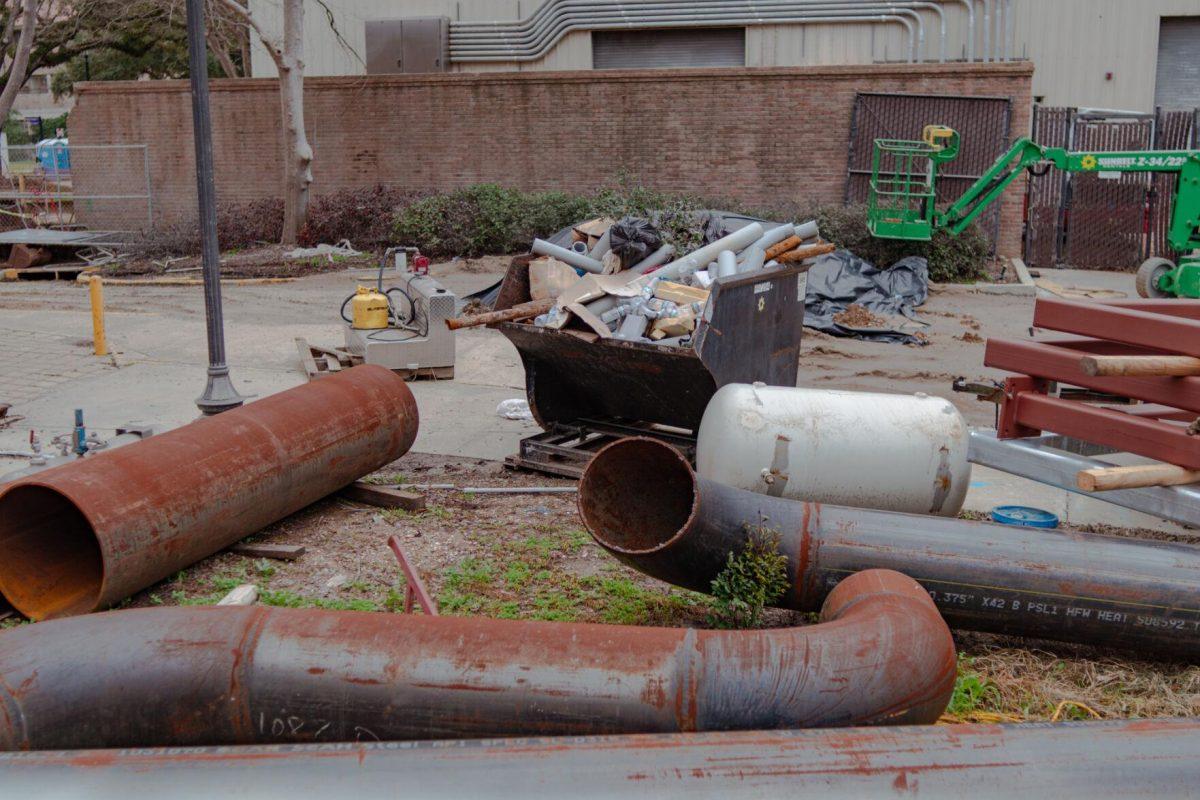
[{"x": 902, "y": 196}]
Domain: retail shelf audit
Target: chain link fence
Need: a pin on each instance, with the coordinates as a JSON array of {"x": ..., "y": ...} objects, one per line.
[{"x": 64, "y": 186}]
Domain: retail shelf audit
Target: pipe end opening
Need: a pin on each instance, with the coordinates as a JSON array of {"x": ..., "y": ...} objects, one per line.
[
  {"x": 636, "y": 495},
  {"x": 50, "y": 559}
]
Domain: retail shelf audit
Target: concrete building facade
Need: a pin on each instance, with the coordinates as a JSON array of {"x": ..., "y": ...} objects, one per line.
[{"x": 1087, "y": 53}]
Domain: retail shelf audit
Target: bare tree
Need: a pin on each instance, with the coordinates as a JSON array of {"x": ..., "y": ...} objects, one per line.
[
  {"x": 18, "y": 66},
  {"x": 287, "y": 51}
]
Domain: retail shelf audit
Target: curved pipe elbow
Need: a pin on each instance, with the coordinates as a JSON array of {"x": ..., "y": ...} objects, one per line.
[{"x": 225, "y": 675}]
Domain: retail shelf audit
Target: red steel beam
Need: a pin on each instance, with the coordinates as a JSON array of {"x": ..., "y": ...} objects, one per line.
[
  {"x": 414, "y": 587},
  {"x": 1188, "y": 309},
  {"x": 1130, "y": 325},
  {"x": 1159, "y": 440},
  {"x": 1059, "y": 363}
]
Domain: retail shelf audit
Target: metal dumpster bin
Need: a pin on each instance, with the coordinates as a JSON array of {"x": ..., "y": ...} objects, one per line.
[{"x": 586, "y": 391}]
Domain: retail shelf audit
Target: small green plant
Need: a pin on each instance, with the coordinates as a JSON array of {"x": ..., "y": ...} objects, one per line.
[
  {"x": 264, "y": 568},
  {"x": 972, "y": 692},
  {"x": 752, "y": 579}
]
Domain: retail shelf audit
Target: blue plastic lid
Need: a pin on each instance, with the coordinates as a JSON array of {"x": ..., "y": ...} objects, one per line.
[{"x": 1024, "y": 516}]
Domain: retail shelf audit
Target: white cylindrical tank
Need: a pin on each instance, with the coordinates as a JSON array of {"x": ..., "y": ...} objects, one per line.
[{"x": 893, "y": 452}]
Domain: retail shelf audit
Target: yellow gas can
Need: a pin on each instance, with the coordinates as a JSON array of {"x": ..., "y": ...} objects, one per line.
[{"x": 369, "y": 309}]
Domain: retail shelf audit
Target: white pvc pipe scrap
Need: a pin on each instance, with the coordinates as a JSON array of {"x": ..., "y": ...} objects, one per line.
[
  {"x": 697, "y": 259},
  {"x": 603, "y": 245},
  {"x": 775, "y": 236},
  {"x": 726, "y": 264},
  {"x": 905, "y": 453},
  {"x": 808, "y": 230},
  {"x": 655, "y": 259},
  {"x": 755, "y": 256},
  {"x": 544, "y": 248}
]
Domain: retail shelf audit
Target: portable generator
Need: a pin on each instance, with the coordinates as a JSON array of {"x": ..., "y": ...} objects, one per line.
[{"x": 403, "y": 327}]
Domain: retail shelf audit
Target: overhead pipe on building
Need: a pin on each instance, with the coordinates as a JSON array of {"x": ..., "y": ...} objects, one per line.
[
  {"x": 237, "y": 675},
  {"x": 641, "y": 500},
  {"x": 492, "y": 41},
  {"x": 83, "y": 536},
  {"x": 970, "y": 4},
  {"x": 1119, "y": 760},
  {"x": 585, "y": 14}
]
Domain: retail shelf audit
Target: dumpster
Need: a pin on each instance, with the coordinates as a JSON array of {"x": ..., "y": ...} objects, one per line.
[{"x": 586, "y": 391}]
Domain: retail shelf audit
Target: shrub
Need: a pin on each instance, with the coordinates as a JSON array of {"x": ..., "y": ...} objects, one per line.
[
  {"x": 751, "y": 579},
  {"x": 239, "y": 225},
  {"x": 951, "y": 258},
  {"x": 486, "y": 218},
  {"x": 364, "y": 216}
]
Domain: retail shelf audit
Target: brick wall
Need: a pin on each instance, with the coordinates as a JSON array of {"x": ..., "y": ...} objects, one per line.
[{"x": 760, "y": 135}]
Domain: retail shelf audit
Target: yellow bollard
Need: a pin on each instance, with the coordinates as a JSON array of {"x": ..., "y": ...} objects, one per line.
[{"x": 96, "y": 289}]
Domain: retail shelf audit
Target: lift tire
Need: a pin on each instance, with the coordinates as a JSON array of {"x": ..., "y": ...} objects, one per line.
[{"x": 1148, "y": 274}]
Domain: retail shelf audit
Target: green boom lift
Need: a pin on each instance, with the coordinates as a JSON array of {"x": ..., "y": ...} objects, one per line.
[{"x": 903, "y": 196}]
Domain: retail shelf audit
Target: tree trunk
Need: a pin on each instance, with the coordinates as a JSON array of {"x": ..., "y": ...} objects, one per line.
[
  {"x": 20, "y": 62},
  {"x": 298, "y": 154}
]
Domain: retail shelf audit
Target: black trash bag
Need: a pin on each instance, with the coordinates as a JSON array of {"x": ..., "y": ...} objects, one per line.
[
  {"x": 633, "y": 239},
  {"x": 839, "y": 280}
]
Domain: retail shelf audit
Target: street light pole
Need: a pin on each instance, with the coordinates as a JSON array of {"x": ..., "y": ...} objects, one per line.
[{"x": 219, "y": 394}]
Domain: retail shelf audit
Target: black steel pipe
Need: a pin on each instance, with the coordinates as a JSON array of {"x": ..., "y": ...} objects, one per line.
[
  {"x": 227, "y": 675},
  {"x": 1096, "y": 760},
  {"x": 643, "y": 502}
]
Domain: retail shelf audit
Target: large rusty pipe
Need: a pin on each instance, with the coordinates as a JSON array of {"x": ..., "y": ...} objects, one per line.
[
  {"x": 228, "y": 675},
  {"x": 1097, "y": 760},
  {"x": 88, "y": 534},
  {"x": 643, "y": 502}
]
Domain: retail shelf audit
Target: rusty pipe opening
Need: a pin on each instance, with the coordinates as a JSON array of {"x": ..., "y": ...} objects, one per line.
[
  {"x": 637, "y": 495},
  {"x": 50, "y": 559}
]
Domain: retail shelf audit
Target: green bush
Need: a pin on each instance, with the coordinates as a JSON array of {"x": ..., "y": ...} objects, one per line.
[
  {"x": 486, "y": 218},
  {"x": 364, "y": 216},
  {"x": 951, "y": 258},
  {"x": 752, "y": 579}
]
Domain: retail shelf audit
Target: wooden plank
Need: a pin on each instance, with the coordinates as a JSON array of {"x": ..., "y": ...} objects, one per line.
[
  {"x": 331, "y": 361},
  {"x": 384, "y": 496},
  {"x": 307, "y": 362},
  {"x": 281, "y": 552},
  {"x": 1141, "y": 366},
  {"x": 1137, "y": 477},
  {"x": 244, "y": 595}
]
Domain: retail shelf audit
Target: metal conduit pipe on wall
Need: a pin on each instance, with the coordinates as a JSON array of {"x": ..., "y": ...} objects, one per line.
[
  {"x": 641, "y": 500},
  {"x": 538, "y": 43},
  {"x": 88, "y": 534},
  {"x": 491, "y": 43},
  {"x": 1119, "y": 760},
  {"x": 506, "y": 53},
  {"x": 229, "y": 675}
]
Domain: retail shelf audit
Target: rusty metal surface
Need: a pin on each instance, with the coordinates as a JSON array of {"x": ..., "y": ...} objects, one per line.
[
  {"x": 644, "y": 503},
  {"x": 1131, "y": 322},
  {"x": 86, "y": 535},
  {"x": 414, "y": 587},
  {"x": 1097, "y": 760},
  {"x": 228, "y": 675}
]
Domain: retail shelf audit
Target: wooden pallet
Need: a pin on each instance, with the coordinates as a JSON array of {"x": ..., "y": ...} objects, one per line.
[{"x": 316, "y": 360}]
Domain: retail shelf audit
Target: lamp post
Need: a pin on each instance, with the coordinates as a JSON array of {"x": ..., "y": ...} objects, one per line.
[{"x": 219, "y": 394}]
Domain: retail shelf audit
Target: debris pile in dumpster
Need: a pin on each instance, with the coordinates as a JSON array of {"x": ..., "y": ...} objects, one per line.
[{"x": 622, "y": 279}]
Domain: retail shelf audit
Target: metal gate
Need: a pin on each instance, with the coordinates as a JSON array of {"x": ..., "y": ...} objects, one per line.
[
  {"x": 983, "y": 122},
  {"x": 1093, "y": 221}
]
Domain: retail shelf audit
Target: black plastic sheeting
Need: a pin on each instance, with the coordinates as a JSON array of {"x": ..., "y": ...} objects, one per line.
[
  {"x": 633, "y": 239},
  {"x": 839, "y": 280}
]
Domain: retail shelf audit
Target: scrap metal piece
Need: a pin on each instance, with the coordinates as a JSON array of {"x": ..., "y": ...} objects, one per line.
[
  {"x": 83, "y": 536},
  {"x": 643, "y": 502},
  {"x": 248, "y": 675},
  {"x": 1119, "y": 760}
]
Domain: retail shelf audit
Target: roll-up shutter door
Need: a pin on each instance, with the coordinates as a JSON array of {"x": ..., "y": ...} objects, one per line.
[
  {"x": 651, "y": 49},
  {"x": 1178, "y": 83}
]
